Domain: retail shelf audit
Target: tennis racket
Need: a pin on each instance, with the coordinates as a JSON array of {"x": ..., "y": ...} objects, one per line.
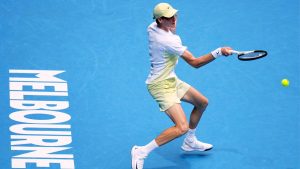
[{"x": 250, "y": 55}]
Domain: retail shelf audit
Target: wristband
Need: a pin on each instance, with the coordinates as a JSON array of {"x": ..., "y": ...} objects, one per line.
[{"x": 217, "y": 53}]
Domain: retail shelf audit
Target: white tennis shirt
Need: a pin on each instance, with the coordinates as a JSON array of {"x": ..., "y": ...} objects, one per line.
[{"x": 164, "y": 50}]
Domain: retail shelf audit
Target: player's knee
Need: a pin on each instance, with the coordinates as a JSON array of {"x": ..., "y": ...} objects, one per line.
[{"x": 182, "y": 129}]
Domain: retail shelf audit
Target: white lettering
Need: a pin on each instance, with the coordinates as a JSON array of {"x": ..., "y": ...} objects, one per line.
[
  {"x": 58, "y": 117},
  {"x": 44, "y": 152},
  {"x": 59, "y": 87},
  {"x": 34, "y": 105},
  {"x": 20, "y": 129},
  {"x": 43, "y": 75},
  {"x": 15, "y": 95},
  {"x": 21, "y": 162},
  {"x": 41, "y": 133},
  {"x": 40, "y": 140}
]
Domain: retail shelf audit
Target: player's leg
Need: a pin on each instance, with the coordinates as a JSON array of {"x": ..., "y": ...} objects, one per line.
[
  {"x": 176, "y": 114},
  {"x": 178, "y": 117},
  {"x": 200, "y": 103}
]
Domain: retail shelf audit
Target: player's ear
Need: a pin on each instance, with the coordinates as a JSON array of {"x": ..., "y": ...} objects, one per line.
[{"x": 159, "y": 20}]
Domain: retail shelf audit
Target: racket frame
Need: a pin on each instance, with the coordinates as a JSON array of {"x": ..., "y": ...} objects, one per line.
[{"x": 241, "y": 53}]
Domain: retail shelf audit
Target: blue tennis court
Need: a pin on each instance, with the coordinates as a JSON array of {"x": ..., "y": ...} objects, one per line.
[{"x": 88, "y": 62}]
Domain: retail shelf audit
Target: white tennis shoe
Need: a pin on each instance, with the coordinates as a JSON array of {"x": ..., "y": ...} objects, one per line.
[
  {"x": 137, "y": 158},
  {"x": 193, "y": 144}
]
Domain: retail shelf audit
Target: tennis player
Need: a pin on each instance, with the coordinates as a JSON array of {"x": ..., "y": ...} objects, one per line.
[{"x": 167, "y": 89}]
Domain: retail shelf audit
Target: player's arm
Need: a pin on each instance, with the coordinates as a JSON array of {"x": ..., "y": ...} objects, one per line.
[{"x": 197, "y": 62}]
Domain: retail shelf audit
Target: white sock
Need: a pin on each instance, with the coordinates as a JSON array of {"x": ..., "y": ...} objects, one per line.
[
  {"x": 191, "y": 133},
  {"x": 149, "y": 147}
]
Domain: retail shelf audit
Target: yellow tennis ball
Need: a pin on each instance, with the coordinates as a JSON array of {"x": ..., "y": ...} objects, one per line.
[{"x": 285, "y": 82}]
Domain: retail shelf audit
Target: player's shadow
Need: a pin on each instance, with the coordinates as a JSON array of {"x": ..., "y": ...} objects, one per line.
[{"x": 177, "y": 157}]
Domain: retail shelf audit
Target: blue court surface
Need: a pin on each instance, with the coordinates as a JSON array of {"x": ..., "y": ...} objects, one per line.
[{"x": 73, "y": 91}]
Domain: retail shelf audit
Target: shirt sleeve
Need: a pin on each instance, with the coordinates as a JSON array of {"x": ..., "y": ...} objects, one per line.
[{"x": 175, "y": 46}]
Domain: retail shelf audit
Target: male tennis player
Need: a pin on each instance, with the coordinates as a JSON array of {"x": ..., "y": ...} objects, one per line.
[{"x": 165, "y": 48}]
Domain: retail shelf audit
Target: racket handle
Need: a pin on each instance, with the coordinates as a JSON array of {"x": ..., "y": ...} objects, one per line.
[{"x": 234, "y": 51}]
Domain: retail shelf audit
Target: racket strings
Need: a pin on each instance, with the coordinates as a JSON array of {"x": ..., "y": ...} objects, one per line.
[{"x": 252, "y": 55}]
